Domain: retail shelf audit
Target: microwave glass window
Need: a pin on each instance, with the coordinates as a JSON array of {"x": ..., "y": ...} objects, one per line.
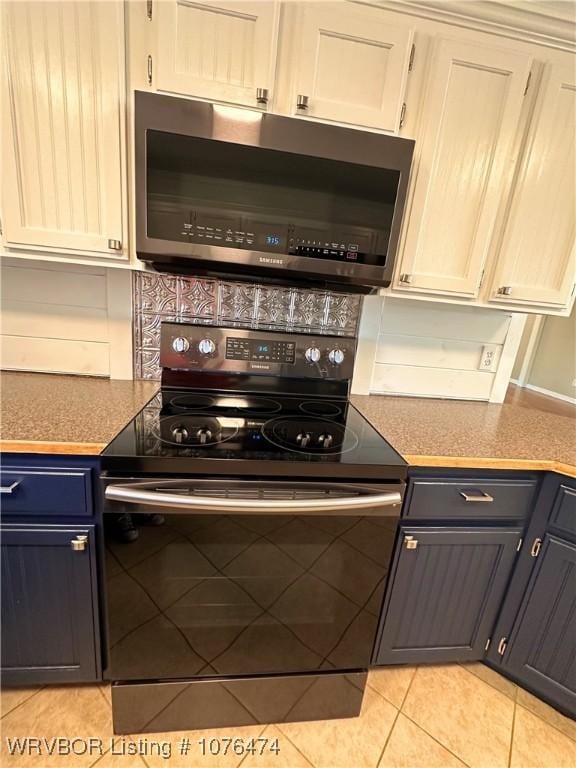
[{"x": 218, "y": 193}]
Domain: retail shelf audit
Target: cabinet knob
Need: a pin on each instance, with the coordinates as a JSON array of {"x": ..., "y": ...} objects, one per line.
[
  {"x": 410, "y": 542},
  {"x": 79, "y": 544},
  {"x": 302, "y": 102},
  {"x": 505, "y": 290},
  {"x": 262, "y": 96}
]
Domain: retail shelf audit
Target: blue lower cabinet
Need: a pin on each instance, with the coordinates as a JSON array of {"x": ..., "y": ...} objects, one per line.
[
  {"x": 447, "y": 587},
  {"x": 541, "y": 649},
  {"x": 49, "y": 604}
]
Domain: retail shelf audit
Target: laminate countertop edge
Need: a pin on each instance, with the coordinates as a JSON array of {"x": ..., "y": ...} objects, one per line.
[{"x": 414, "y": 460}]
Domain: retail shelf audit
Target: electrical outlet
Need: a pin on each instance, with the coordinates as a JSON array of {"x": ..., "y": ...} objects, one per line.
[{"x": 488, "y": 358}]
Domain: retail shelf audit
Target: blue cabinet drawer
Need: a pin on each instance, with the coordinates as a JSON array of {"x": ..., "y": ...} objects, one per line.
[
  {"x": 46, "y": 491},
  {"x": 563, "y": 516},
  {"x": 469, "y": 498}
]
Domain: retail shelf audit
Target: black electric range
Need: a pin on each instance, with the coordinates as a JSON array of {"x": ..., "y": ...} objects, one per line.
[
  {"x": 262, "y": 510},
  {"x": 264, "y": 433}
]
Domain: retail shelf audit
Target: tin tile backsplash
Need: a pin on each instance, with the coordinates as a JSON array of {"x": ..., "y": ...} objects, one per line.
[{"x": 206, "y": 301}]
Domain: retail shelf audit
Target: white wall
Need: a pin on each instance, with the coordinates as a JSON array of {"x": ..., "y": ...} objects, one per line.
[
  {"x": 552, "y": 367},
  {"x": 65, "y": 319},
  {"x": 435, "y": 350}
]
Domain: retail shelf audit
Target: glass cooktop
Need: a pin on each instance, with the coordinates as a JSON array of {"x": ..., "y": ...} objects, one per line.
[{"x": 211, "y": 432}]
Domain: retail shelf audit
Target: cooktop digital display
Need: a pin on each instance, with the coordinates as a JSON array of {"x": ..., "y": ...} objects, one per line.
[{"x": 262, "y": 350}]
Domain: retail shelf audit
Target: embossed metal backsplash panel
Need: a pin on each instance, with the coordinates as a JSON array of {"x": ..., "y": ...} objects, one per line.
[{"x": 204, "y": 301}]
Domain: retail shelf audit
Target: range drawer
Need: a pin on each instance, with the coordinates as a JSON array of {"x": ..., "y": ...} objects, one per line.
[
  {"x": 563, "y": 515},
  {"x": 466, "y": 498},
  {"x": 46, "y": 491}
]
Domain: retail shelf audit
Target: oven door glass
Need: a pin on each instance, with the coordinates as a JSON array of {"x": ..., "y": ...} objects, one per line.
[
  {"x": 201, "y": 592},
  {"x": 209, "y": 192}
]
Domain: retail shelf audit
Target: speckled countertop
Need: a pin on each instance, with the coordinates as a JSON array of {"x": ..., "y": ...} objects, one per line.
[
  {"x": 44, "y": 413},
  {"x": 51, "y": 413},
  {"x": 526, "y": 432}
]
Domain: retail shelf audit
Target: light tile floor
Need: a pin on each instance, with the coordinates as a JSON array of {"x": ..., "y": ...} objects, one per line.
[{"x": 426, "y": 717}]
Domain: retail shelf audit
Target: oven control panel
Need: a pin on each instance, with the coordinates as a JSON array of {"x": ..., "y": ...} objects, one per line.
[{"x": 237, "y": 350}]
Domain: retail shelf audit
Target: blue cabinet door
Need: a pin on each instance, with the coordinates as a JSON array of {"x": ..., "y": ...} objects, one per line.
[
  {"x": 541, "y": 650},
  {"x": 49, "y": 604},
  {"x": 446, "y": 591}
]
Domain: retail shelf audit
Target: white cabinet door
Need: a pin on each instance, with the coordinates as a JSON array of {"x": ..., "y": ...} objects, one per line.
[
  {"x": 470, "y": 119},
  {"x": 536, "y": 257},
  {"x": 222, "y": 51},
  {"x": 350, "y": 64},
  {"x": 63, "y": 126}
]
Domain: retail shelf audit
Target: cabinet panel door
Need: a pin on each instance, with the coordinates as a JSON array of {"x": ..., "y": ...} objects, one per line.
[
  {"x": 220, "y": 51},
  {"x": 63, "y": 131},
  {"x": 536, "y": 258},
  {"x": 445, "y": 594},
  {"x": 49, "y": 606},
  {"x": 352, "y": 64},
  {"x": 542, "y": 647},
  {"x": 470, "y": 118}
]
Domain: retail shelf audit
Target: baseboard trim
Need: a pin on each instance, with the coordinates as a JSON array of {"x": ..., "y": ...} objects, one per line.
[{"x": 550, "y": 393}]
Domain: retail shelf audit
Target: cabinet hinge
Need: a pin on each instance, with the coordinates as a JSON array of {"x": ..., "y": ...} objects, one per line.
[
  {"x": 519, "y": 546},
  {"x": 536, "y": 547},
  {"x": 487, "y": 643},
  {"x": 149, "y": 10},
  {"x": 115, "y": 245},
  {"x": 528, "y": 83},
  {"x": 402, "y": 114},
  {"x": 149, "y": 70},
  {"x": 411, "y": 59},
  {"x": 502, "y": 645}
]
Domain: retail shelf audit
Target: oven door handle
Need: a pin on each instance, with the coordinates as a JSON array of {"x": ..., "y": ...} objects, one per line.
[{"x": 132, "y": 494}]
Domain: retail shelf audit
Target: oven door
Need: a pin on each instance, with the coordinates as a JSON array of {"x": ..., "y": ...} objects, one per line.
[{"x": 231, "y": 577}]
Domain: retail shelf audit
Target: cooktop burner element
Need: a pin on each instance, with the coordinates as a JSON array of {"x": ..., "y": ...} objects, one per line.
[
  {"x": 310, "y": 435},
  {"x": 320, "y": 408}
]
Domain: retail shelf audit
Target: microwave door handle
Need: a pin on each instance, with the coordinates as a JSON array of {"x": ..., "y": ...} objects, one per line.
[{"x": 131, "y": 494}]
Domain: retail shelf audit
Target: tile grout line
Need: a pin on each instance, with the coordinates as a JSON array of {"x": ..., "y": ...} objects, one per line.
[
  {"x": 421, "y": 727},
  {"x": 21, "y": 703},
  {"x": 510, "y": 749},
  {"x": 477, "y": 677},
  {"x": 424, "y": 729},
  {"x": 398, "y": 712},
  {"x": 546, "y": 722},
  {"x": 276, "y": 725}
]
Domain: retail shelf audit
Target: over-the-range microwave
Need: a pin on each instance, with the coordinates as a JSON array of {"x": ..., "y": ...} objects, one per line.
[{"x": 230, "y": 191}]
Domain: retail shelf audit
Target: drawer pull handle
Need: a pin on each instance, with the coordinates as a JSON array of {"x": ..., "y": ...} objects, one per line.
[
  {"x": 79, "y": 543},
  {"x": 9, "y": 489},
  {"x": 476, "y": 496}
]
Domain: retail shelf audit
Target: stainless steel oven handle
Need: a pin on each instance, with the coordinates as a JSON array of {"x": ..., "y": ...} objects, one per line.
[{"x": 130, "y": 494}]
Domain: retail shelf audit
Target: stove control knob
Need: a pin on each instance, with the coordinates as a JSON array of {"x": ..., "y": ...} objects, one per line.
[
  {"x": 204, "y": 435},
  {"x": 312, "y": 354},
  {"x": 336, "y": 356},
  {"x": 180, "y": 344},
  {"x": 303, "y": 438},
  {"x": 179, "y": 434},
  {"x": 325, "y": 440},
  {"x": 206, "y": 347}
]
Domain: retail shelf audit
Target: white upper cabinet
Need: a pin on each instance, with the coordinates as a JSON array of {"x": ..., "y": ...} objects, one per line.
[
  {"x": 349, "y": 64},
  {"x": 223, "y": 51},
  {"x": 63, "y": 127},
  {"x": 536, "y": 257},
  {"x": 464, "y": 145}
]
